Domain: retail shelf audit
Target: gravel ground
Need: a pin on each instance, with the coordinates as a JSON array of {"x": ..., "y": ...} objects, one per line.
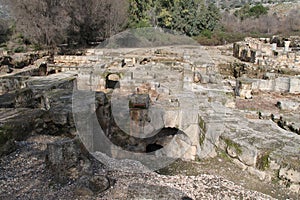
[{"x": 24, "y": 175}]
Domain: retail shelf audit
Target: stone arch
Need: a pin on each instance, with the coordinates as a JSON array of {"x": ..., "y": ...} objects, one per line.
[{"x": 112, "y": 81}]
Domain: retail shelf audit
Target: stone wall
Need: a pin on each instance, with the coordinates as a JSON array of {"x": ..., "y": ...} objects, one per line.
[{"x": 245, "y": 86}]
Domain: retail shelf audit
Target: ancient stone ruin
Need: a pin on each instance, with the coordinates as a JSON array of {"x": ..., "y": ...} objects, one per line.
[{"x": 176, "y": 102}]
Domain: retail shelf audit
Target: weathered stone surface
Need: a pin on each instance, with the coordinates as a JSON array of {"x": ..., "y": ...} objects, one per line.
[
  {"x": 16, "y": 124},
  {"x": 18, "y": 99},
  {"x": 139, "y": 101},
  {"x": 63, "y": 158},
  {"x": 288, "y": 105},
  {"x": 197, "y": 109},
  {"x": 244, "y": 52},
  {"x": 295, "y": 85},
  {"x": 289, "y": 174},
  {"x": 91, "y": 185}
]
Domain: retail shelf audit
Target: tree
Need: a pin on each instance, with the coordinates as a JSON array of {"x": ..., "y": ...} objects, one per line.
[
  {"x": 139, "y": 13},
  {"x": 117, "y": 17},
  {"x": 87, "y": 20},
  {"x": 247, "y": 12},
  {"x": 292, "y": 21},
  {"x": 43, "y": 21},
  {"x": 186, "y": 16},
  {"x": 211, "y": 18},
  {"x": 50, "y": 22},
  {"x": 258, "y": 10}
]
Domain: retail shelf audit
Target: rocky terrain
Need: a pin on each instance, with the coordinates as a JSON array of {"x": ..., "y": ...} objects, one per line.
[{"x": 212, "y": 122}]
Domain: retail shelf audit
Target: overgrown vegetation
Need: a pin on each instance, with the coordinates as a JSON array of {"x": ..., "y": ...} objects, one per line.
[
  {"x": 259, "y": 23},
  {"x": 190, "y": 17},
  {"x": 47, "y": 23},
  {"x": 251, "y": 12}
]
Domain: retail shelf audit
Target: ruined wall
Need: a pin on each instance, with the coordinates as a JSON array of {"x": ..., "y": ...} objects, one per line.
[
  {"x": 244, "y": 86},
  {"x": 263, "y": 52}
]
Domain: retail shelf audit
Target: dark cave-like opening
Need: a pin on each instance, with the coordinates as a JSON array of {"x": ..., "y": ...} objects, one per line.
[
  {"x": 112, "y": 81},
  {"x": 153, "y": 147}
]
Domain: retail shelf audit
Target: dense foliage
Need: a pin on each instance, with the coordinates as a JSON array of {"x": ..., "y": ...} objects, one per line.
[
  {"x": 51, "y": 22},
  {"x": 247, "y": 12},
  {"x": 190, "y": 17}
]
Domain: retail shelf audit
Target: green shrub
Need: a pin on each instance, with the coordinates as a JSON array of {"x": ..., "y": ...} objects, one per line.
[
  {"x": 19, "y": 49},
  {"x": 207, "y": 33}
]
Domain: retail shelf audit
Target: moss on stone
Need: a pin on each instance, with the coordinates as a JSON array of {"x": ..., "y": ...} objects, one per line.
[
  {"x": 234, "y": 145},
  {"x": 276, "y": 178},
  {"x": 222, "y": 154},
  {"x": 202, "y": 124},
  {"x": 201, "y": 139}
]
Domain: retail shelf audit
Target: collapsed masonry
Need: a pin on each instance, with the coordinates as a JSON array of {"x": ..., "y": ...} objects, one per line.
[
  {"x": 279, "y": 61},
  {"x": 152, "y": 89},
  {"x": 269, "y": 52}
]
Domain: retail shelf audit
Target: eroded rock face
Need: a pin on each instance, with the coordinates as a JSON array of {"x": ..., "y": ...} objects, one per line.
[{"x": 34, "y": 106}]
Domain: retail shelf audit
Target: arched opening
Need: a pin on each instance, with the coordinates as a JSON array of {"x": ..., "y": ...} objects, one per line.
[
  {"x": 158, "y": 140},
  {"x": 112, "y": 81}
]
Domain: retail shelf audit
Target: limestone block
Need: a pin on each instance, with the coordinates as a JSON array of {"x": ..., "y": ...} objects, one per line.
[
  {"x": 231, "y": 151},
  {"x": 264, "y": 85},
  {"x": 248, "y": 155},
  {"x": 193, "y": 132},
  {"x": 190, "y": 154},
  {"x": 282, "y": 84},
  {"x": 177, "y": 147},
  {"x": 295, "y": 85},
  {"x": 240, "y": 164},
  {"x": 244, "y": 88},
  {"x": 171, "y": 118},
  {"x": 288, "y": 105},
  {"x": 188, "y": 117}
]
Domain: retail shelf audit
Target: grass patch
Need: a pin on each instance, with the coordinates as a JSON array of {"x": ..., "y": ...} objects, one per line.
[
  {"x": 233, "y": 145},
  {"x": 222, "y": 154},
  {"x": 263, "y": 162},
  {"x": 19, "y": 49},
  {"x": 201, "y": 139},
  {"x": 180, "y": 167}
]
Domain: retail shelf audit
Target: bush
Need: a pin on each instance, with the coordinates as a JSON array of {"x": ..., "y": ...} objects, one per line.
[
  {"x": 19, "y": 49},
  {"x": 258, "y": 10},
  {"x": 206, "y": 33}
]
